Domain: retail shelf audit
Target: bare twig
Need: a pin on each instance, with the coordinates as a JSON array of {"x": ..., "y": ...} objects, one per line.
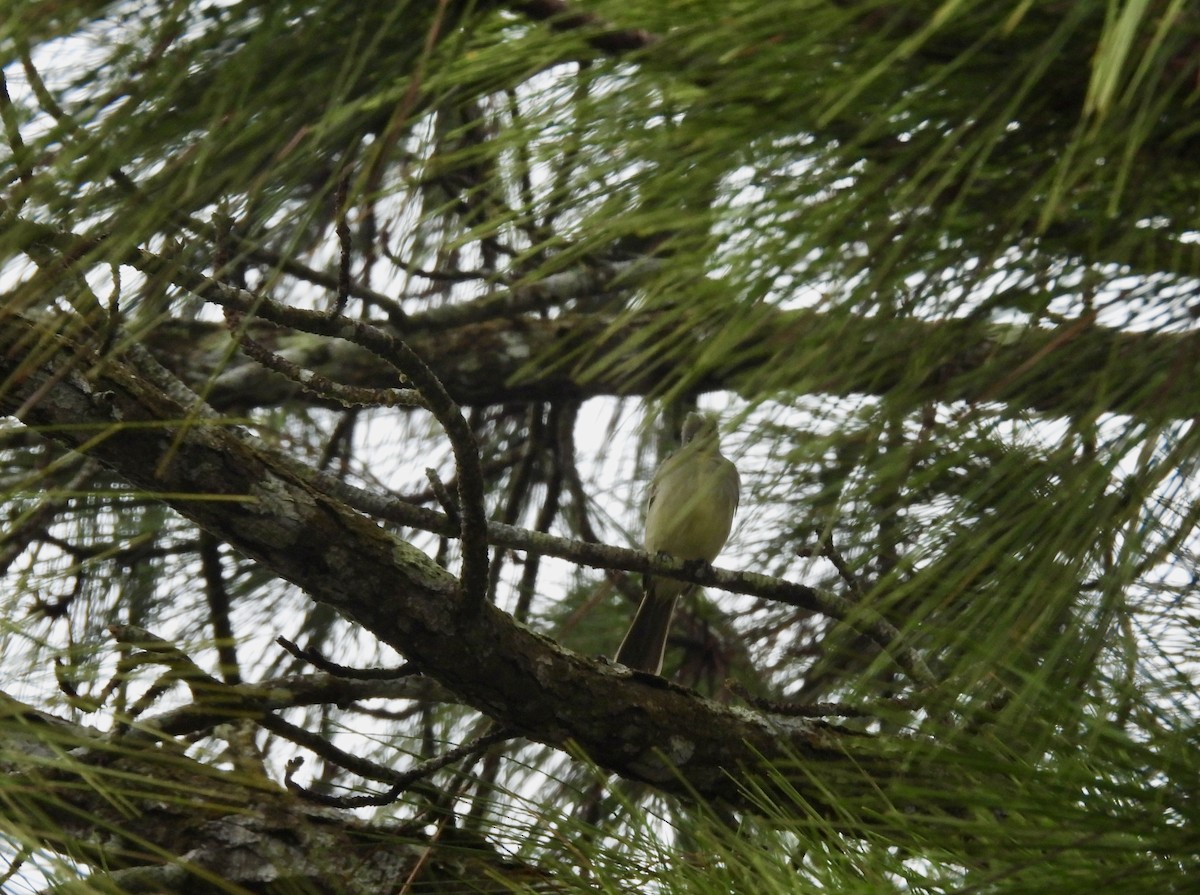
[
  {"x": 399, "y": 780},
  {"x": 219, "y": 607},
  {"x": 315, "y": 383},
  {"x": 818, "y": 709},
  {"x": 442, "y": 493},
  {"x": 473, "y": 531},
  {"x": 345, "y": 253},
  {"x": 314, "y": 658}
]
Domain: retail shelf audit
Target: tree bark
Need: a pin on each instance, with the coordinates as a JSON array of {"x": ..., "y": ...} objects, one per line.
[
  {"x": 264, "y": 505},
  {"x": 157, "y": 820},
  {"x": 1078, "y": 370}
]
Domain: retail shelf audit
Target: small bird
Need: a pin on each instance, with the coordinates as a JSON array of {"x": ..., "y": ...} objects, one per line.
[{"x": 693, "y": 497}]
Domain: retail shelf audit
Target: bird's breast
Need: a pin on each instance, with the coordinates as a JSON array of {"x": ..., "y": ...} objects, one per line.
[{"x": 692, "y": 510}]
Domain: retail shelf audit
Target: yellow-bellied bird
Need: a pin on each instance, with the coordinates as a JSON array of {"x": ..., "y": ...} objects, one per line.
[{"x": 693, "y": 497}]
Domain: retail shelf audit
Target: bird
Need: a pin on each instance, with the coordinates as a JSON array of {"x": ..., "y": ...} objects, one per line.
[{"x": 689, "y": 513}]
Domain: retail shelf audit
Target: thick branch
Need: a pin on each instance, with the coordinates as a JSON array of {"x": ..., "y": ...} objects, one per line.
[
  {"x": 1078, "y": 370},
  {"x": 259, "y": 503},
  {"x": 1068, "y": 372},
  {"x": 130, "y": 805}
]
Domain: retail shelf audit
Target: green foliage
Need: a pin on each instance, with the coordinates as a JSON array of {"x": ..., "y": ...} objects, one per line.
[{"x": 938, "y": 262}]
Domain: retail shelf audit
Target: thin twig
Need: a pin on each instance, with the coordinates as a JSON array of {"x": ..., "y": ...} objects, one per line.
[
  {"x": 442, "y": 493},
  {"x": 219, "y": 606},
  {"x": 345, "y": 246},
  {"x": 314, "y": 658},
  {"x": 473, "y": 531},
  {"x": 12, "y": 130},
  {"x": 399, "y": 780},
  {"x": 817, "y": 709},
  {"x": 314, "y": 383}
]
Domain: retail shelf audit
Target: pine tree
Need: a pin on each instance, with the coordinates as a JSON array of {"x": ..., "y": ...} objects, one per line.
[{"x": 339, "y": 343}]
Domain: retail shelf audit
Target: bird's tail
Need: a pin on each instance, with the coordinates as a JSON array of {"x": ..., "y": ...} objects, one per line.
[{"x": 644, "y": 645}]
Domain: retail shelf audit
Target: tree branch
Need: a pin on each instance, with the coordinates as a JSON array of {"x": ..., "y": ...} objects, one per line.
[
  {"x": 262, "y": 505},
  {"x": 1069, "y": 372},
  {"x": 130, "y": 808},
  {"x": 1076, "y": 370}
]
